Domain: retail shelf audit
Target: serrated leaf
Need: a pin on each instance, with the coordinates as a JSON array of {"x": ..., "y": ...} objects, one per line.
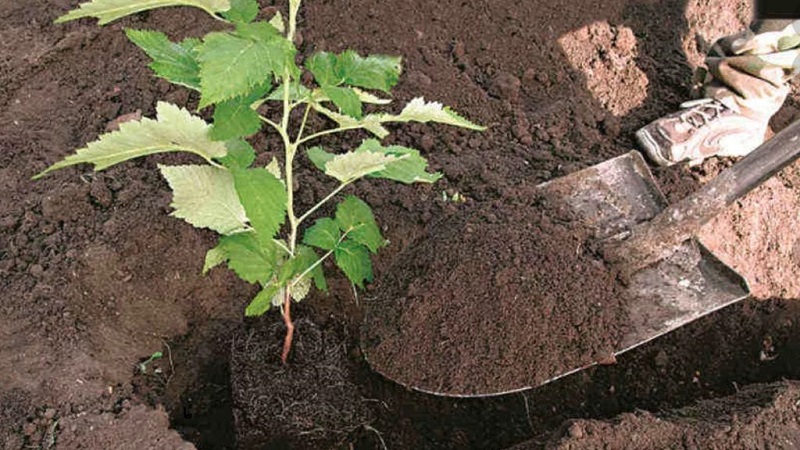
[
  {"x": 409, "y": 167},
  {"x": 344, "y": 98},
  {"x": 242, "y": 11},
  {"x": 373, "y": 72},
  {"x": 351, "y": 166},
  {"x": 277, "y": 22},
  {"x": 236, "y": 117},
  {"x": 418, "y": 110},
  {"x": 109, "y": 10},
  {"x": 205, "y": 197},
  {"x": 379, "y": 72},
  {"x": 175, "y": 62},
  {"x": 301, "y": 288},
  {"x": 323, "y": 234},
  {"x": 262, "y": 301},
  {"x": 264, "y": 199},
  {"x": 251, "y": 259},
  {"x": 240, "y": 154},
  {"x": 233, "y": 64},
  {"x": 353, "y": 259},
  {"x": 214, "y": 257},
  {"x": 319, "y": 157},
  {"x": 370, "y": 122},
  {"x": 175, "y": 130},
  {"x": 354, "y": 217}
]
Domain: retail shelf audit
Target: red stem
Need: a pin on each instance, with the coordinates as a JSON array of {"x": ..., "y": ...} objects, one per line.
[{"x": 287, "y": 319}]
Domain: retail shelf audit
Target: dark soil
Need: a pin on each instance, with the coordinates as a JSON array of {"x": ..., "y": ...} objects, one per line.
[
  {"x": 494, "y": 299},
  {"x": 95, "y": 276},
  {"x": 311, "y": 401},
  {"x": 758, "y": 416}
]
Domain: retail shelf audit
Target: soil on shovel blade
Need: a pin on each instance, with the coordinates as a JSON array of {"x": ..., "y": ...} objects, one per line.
[{"x": 494, "y": 299}]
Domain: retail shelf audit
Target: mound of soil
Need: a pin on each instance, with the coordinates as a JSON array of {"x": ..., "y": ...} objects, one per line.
[
  {"x": 758, "y": 416},
  {"x": 312, "y": 401},
  {"x": 495, "y": 299}
]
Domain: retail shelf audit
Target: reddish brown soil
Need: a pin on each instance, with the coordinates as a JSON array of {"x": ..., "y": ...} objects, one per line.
[
  {"x": 95, "y": 277},
  {"x": 494, "y": 299}
]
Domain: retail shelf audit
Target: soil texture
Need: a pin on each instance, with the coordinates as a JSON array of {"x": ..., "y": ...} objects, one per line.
[
  {"x": 95, "y": 277},
  {"x": 494, "y": 299}
]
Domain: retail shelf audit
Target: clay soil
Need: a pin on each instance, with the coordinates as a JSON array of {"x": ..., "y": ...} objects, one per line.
[{"x": 95, "y": 277}]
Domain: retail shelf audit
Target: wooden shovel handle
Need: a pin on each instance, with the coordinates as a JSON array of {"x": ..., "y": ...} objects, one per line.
[{"x": 651, "y": 241}]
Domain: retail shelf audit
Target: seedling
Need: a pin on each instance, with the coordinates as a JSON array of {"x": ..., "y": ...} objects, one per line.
[
  {"x": 143, "y": 365},
  {"x": 249, "y": 75}
]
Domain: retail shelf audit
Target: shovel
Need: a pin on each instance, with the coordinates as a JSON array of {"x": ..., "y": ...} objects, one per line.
[{"x": 669, "y": 278}]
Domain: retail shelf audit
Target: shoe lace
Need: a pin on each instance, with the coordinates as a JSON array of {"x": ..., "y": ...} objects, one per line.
[{"x": 703, "y": 113}]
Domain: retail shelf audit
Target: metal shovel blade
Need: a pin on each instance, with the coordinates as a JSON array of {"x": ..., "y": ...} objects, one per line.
[{"x": 613, "y": 197}]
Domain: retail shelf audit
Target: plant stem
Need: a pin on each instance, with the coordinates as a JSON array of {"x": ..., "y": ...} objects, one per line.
[
  {"x": 287, "y": 319},
  {"x": 322, "y": 202}
]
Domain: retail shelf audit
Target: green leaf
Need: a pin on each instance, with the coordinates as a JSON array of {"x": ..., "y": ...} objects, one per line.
[
  {"x": 252, "y": 260},
  {"x": 319, "y": 157},
  {"x": 297, "y": 93},
  {"x": 240, "y": 154},
  {"x": 367, "y": 97},
  {"x": 264, "y": 198},
  {"x": 309, "y": 257},
  {"x": 236, "y": 117},
  {"x": 418, "y": 110},
  {"x": 275, "y": 168},
  {"x": 214, "y": 257},
  {"x": 242, "y": 11},
  {"x": 370, "y": 122},
  {"x": 409, "y": 167},
  {"x": 379, "y": 72},
  {"x": 233, "y": 64},
  {"x": 373, "y": 72},
  {"x": 109, "y": 10},
  {"x": 323, "y": 234},
  {"x": 353, "y": 259},
  {"x": 346, "y": 99},
  {"x": 175, "y": 130},
  {"x": 351, "y": 166},
  {"x": 205, "y": 197},
  {"x": 354, "y": 217},
  {"x": 175, "y": 62},
  {"x": 262, "y": 301}
]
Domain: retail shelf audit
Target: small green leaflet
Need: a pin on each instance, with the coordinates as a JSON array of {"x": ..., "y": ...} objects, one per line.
[
  {"x": 109, "y": 10},
  {"x": 251, "y": 260},
  {"x": 323, "y": 234},
  {"x": 354, "y": 217},
  {"x": 175, "y": 62},
  {"x": 205, "y": 197},
  {"x": 242, "y": 11},
  {"x": 373, "y": 160},
  {"x": 353, "y": 259},
  {"x": 307, "y": 258},
  {"x": 409, "y": 166},
  {"x": 264, "y": 198},
  {"x": 262, "y": 301},
  {"x": 373, "y": 72},
  {"x": 418, "y": 110},
  {"x": 277, "y": 22},
  {"x": 351, "y": 166},
  {"x": 214, "y": 257},
  {"x": 370, "y": 122},
  {"x": 346, "y": 99},
  {"x": 233, "y": 64},
  {"x": 236, "y": 117},
  {"x": 240, "y": 154},
  {"x": 175, "y": 130}
]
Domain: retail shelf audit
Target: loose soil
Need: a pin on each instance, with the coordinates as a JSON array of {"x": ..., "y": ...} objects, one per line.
[
  {"x": 494, "y": 299},
  {"x": 95, "y": 277}
]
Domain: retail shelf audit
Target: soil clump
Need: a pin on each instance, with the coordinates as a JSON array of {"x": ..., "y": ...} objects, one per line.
[{"x": 496, "y": 298}]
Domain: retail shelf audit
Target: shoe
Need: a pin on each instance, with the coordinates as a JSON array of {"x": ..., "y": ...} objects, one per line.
[{"x": 703, "y": 128}]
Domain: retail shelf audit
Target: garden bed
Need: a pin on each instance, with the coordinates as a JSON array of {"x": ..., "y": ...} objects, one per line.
[{"x": 96, "y": 277}]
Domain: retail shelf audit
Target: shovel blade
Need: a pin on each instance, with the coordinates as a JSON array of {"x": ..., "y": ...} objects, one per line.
[{"x": 612, "y": 197}]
